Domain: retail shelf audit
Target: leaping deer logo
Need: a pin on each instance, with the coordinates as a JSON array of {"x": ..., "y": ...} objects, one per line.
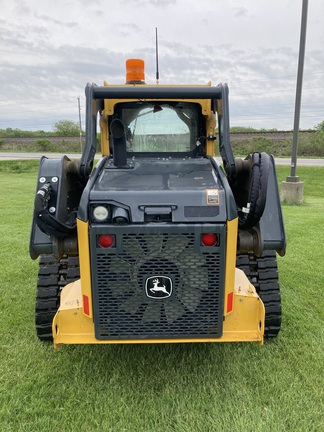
[{"x": 157, "y": 288}]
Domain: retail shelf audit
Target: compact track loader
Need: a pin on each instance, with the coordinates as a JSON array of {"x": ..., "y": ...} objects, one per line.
[{"x": 163, "y": 240}]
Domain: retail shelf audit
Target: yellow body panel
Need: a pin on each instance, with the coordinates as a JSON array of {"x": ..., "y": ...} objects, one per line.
[
  {"x": 231, "y": 245},
  {"x": 84, "y": 260},
  {"x": 244, "y": 324}
]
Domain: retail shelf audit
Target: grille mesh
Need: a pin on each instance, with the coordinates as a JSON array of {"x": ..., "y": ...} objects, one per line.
[{"x": 122, "y": 307}]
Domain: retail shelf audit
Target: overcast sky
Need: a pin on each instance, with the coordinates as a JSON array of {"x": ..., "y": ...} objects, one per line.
[{"x": 49, "y": 50}]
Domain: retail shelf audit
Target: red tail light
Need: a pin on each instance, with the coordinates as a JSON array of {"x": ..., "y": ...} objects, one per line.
[
  {"x": 209, "y": 239},
  {"x": 106, "y": 240}
]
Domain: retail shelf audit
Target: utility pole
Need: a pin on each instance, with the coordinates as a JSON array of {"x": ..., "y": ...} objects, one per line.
[
  {"x": 292, "y": 189},
  {"x": 299, "y": 86},
  {"x": 80, "y": 127}
]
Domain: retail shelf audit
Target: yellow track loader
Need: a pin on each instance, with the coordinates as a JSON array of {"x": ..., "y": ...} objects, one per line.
[{"x": 166, "y": 239}]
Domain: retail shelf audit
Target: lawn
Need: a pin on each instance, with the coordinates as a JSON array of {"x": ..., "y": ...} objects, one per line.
[{"x": 186, "y": 388}]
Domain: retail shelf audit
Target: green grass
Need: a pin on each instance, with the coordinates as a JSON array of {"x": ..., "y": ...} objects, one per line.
[
  {"x": 19, "y": 167},
  {"x": 186, "y": 388}
]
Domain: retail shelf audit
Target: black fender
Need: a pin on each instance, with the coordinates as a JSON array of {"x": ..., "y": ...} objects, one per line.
[
  {"x": 258, "y": 184},
  {"x": 250, "y": 188},
  {"x": 255, "y": 189},
  {"x": 58, "y": 192}
]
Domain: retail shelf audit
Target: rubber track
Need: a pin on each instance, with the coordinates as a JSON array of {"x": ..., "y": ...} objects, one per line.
[
  {"x": 263, "y": 274},
  {"x": 53, "y": 275}
]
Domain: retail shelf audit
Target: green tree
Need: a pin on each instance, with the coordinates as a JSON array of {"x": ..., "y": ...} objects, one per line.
[
  {"x": 320, "y": 126},
  {"x": 66, "y": 128}
]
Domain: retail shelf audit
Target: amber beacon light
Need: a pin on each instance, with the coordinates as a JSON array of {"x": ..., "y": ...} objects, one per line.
[{"x": 135, "y": 71}]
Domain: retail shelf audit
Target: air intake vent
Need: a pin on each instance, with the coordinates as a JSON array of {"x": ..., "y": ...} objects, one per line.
[
  {"x": 201, "y": 211},
  {"x": 161, "y": 284}
]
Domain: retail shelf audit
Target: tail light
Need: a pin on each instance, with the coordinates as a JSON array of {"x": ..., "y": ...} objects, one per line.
[
  {"x": 106, "y": 240},
  {"x": 209, "y": 239}
]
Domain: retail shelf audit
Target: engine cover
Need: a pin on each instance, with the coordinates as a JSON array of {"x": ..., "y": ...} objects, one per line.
[{"x": 172, "y": 190}]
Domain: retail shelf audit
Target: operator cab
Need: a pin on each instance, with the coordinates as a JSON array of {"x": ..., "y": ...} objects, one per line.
[{"x": 162, "y": 127}]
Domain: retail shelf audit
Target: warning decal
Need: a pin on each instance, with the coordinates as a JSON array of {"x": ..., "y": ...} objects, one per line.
[{"x": 212, "y": 196}]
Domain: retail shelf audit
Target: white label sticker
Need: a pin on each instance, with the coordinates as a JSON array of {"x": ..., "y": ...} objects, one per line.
[{"x": 212, "y": 196}]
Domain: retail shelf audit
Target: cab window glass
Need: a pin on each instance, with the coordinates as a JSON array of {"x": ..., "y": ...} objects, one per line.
[{"x": 160, "y": 127}]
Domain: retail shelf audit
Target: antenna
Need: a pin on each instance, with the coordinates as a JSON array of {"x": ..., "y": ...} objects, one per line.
[{"x": 157, "y": 55}]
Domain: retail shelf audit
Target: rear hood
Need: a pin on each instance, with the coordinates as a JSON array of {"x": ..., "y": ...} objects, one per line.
[{"x": 188, "y": 189}]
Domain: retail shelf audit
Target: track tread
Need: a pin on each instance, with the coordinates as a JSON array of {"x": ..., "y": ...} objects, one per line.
[
  {"x": 263, "y": 274},
  {"x": 53, "y": 275}
]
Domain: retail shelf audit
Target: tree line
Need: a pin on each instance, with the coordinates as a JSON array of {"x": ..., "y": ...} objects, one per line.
[
  {"x": 68, "y": 128},
  {"x": 63, "y": 128}
]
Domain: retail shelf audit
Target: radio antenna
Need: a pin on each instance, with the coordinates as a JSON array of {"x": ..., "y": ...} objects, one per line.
[{"x": 157, "y": 55}]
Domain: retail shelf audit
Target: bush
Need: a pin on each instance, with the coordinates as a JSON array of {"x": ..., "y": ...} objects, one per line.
[
  {"x": 43, "y": 145},
  {"x": 315, "y": 146},
  {"x": 66, "y": 128},
  {"x": 261, "y": 144},
  {"x": 320, "y": 126}
]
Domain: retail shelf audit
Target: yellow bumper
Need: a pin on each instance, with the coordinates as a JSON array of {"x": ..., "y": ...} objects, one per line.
[{"x": 244, "y": 324}]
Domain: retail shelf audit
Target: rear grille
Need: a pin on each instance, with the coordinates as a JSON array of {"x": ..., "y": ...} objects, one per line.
[{"x": 161, "y": 284}]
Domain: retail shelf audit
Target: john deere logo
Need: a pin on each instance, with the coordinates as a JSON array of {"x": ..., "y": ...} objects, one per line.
[{"x": 158, "y": 287}]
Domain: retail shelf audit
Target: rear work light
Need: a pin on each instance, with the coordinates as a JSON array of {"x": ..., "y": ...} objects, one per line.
[
  {"x": 101, "y": 213},
  {"x": 209, "y": 239},
  {"x": 106, "y": 240}
]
